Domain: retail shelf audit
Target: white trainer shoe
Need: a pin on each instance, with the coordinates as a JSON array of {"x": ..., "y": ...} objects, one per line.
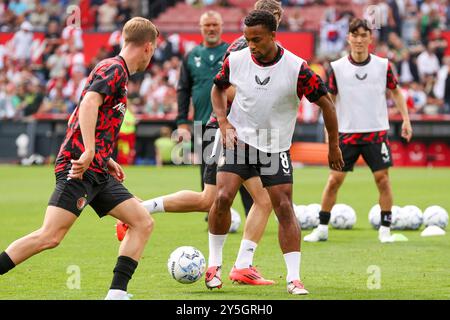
[
  {"x": 318, "y": 234},
  {"x": 296, "y": 287},
  {"x": 115, "y": 294},
  {"x": 384, "y": 235}
]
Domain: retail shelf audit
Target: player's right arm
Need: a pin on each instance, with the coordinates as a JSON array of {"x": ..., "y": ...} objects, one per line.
[
  {"x": 88, "y": 113},
  {"x": 219, "y": 104}
]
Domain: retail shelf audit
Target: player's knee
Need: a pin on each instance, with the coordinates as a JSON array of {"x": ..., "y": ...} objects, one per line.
[
  {"x": 223, "y": 201},
  {"x": 264, "y": 204},
  {"x": 382, "y": 181},
  {"x": 284, "y": 211},
  {"x": 334, "y": 183},
  {"x": 147, "y": 225}
]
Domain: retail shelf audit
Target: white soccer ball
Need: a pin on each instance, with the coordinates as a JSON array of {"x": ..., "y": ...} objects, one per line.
[
  {"x": 398, "y": 222},
  {"x": 375, "y": 216},
  {"x": 186, "y": 264},
  {"x": 342, "y": 216},
  {"x": 300, "y": 215},
  {"x": 310, "y": 217},
  {"x": 235, "y": 221},
  {"x": 413, "y": 217},
  {"x": 435, "y": 216}
]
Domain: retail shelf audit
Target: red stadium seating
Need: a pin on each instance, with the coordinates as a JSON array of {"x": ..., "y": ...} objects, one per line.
[
  {"x": 399, "y": 153},
  {"x": 438, "y": 154},
  {"x": 416, "y": 154}
]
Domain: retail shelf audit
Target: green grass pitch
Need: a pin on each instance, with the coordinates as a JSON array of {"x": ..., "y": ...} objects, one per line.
[{"x": 338, "y": 269}]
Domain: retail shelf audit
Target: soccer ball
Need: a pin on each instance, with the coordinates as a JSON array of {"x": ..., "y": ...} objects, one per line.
[
  {"x": 308, "y": 216},
  {"x": 435, "y": 216},
  {"x": 235, "y": 221},
  {"x": 342, "y": 216},
  {"x": 300, "y": 215},
  {"x": 413, "y": 217},
  {"x": 186, "y": 264},
  {"x": 375, "y": 216},
  {"x": 398, "y": 221}
]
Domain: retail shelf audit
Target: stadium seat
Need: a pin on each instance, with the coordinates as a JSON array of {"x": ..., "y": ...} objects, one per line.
[
  {"x": 438, "y": 154},
  {"x": 416, "y": 154},
  {"x": 399, "y": 153}
]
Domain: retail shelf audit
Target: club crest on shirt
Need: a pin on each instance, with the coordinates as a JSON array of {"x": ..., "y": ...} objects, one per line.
[
  {"x": 262, "y": 83},
  {"x": 361, "y": 77},
  {"x": 198, "y": 61}
]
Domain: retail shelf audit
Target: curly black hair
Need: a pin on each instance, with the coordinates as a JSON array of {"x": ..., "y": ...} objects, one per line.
[{"x": 261, "y": 17}]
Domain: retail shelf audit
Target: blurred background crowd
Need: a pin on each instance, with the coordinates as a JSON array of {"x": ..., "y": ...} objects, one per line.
[{"x": 46, "y": 75}]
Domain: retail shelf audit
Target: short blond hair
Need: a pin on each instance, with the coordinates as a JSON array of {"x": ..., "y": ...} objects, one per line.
[
  {"x": 211, "y": 13},
  {"x": 273, "y": 6},
  {"x": 139, "y": 31}
]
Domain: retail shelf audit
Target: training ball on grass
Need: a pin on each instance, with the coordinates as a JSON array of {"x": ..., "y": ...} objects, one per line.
[
  {"x": 398, "y": 221},
  {"x": 342, "y": 216},
  {"x": 413, "y": 217},
  {"x": 435, "y": 216},
  {"x": 186, "y": 264},
  {"x": 235, "y": 221},
  {"x": 309, "y": 218},
  {"x": 301, "y": 217}
]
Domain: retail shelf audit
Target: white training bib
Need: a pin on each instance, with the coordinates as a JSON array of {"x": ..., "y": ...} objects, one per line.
[
  {"x": 361, "y": 99},
  {"x": 264, "y": 110}
]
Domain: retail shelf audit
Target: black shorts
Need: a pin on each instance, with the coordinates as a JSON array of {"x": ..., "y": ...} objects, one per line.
[
  {"x": 248, "y": 162},
  {"x": 74, "y": 195},
  {"x": 377, "y": 155}
]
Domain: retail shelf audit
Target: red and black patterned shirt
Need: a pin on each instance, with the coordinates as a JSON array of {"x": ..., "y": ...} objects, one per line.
[
  {"x": 109, "y": 78},
  {"x": 309, "y": 84},
  {"x": 366, "y": 137}
]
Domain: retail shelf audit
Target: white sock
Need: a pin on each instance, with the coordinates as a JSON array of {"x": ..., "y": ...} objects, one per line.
[
  {"x": 154, "y": 205},
  {"x": 115, "y": 294},
  {"x": 384, "y": 230},
  {"x": 293, "y": 260},
  {"x": 216, "y": 242},
  {"x": 245, "y": 255},
  {"x": 323, "y": 227}
]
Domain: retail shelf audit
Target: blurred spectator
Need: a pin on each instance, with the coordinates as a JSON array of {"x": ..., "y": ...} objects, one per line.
[
  {"x": 124, "y": 13},
  {"x": 19, "y": 8},
  {"x": 438, "y": 41},
  {"x": 295, "y": 21},
  {"x": 39, "y": 17},
  {"x": 441, "y": 88},
  {"x": 407, "y": 69},
  {"x": 74, "y": 87},
  {"x": 52, "y": 39},
  {"x": 107, "y": 15},
  {"x": 127, "y": 138},
  {"x": 419, "y": 97},
  {"x": 22, "y": 41},
  {"x": 427, "y": 63},
  {"x": 164, "y": 146},
  {"x": 57, "y": 63},
  {"x": 55, "y": 10},
  {"x": 164, "y": 50}
]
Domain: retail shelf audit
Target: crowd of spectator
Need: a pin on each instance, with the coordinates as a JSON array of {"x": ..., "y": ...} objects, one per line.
[{"x": 47, "y": 77}]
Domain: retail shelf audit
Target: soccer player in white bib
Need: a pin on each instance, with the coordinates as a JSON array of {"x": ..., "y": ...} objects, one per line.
[
  {"x": 257, "y": 134},
  {"x": 358, "y": 84}
]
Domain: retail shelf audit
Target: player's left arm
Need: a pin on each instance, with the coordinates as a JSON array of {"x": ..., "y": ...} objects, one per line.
[
  {"x": 400, "y": 103},
  {"x": 312, "y": 87}
]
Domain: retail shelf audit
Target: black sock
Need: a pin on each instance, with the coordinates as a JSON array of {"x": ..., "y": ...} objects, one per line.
[
  {"x": 324, "y": 217},
  {"x": 6, "y": 263},
  {"x": 386, "y": 218},
  {"x": 123, "y": 272}
]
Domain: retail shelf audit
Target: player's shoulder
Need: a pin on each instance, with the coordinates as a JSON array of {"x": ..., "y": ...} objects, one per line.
[
  {"x": 341, "y": 60},
  {"x": 292, "y": 56},
  {"x": 378, "y": 59},
  {"x": 111, "y": 64},
  {"x": 237, "y": 45}
]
